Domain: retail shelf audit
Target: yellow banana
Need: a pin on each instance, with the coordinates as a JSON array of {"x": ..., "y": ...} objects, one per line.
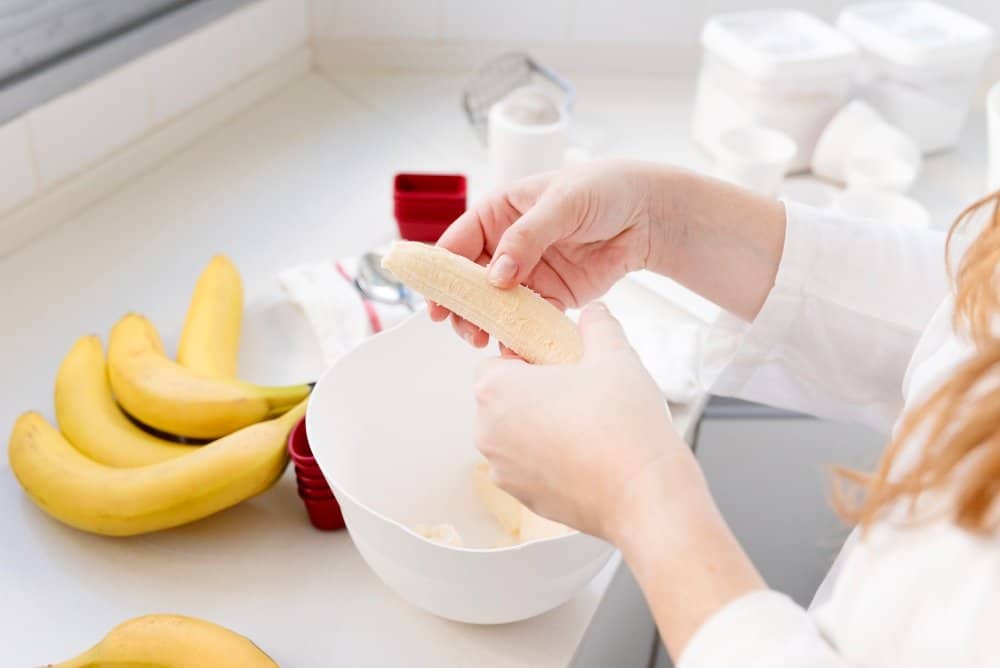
[
  {"x": 128, "y": 501},
  {"x": 164, "y": 395},
  {"x": 519, "y": 318},
  {"x": 515, "y": 517},
  {"x": 91, "y": 420},
  {"x": 210, "y": 340},
  {"x": 171, "y": 641}
]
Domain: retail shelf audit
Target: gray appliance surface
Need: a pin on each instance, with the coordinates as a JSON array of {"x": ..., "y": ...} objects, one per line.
[{"x": 770, "y": 471}]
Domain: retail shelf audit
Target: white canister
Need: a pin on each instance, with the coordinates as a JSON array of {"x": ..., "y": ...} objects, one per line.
[
  {"x": 922, "y": 63},
  {"x": 782, "y": 69},
  {"x": 528, "y": 134},
  {"x": 993, "y": 129}
]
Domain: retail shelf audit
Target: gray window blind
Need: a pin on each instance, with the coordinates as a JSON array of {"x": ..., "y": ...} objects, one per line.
[{"x": 36, "y": 33}]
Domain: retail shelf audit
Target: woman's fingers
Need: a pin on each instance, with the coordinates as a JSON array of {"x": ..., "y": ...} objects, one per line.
[
  {"x": 467, "y": 235},
  {"x": 469, "y": 332},
  {"x": 437, "y": 312},
  {"x": 522, "y": 244}
]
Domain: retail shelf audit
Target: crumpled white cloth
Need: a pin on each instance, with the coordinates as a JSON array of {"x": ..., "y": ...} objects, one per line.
[
  {"x": 334, "y": 308},
  {"x": 664, "y": 322}
]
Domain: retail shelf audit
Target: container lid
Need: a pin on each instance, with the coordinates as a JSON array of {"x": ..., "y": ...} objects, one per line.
[
  {"x": 779, "y": 43},
  {"x": 916, "y": 34}
]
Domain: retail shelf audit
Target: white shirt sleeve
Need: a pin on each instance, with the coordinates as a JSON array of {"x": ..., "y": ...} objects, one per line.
[
  {"x": 838, "y": 329},
  {"x": 760, "y": 630}
]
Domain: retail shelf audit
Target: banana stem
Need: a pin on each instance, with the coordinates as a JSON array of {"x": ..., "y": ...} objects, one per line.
[{"x": 281, "y": 399}]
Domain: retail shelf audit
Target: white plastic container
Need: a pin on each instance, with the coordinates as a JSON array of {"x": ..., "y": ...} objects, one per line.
[
  {"x": 922, "y": 63},
  {"x": 782, "y": 69}
]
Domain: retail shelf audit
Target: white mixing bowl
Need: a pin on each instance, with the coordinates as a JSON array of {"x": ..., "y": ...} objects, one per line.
[{"x": 391, "y": 426}]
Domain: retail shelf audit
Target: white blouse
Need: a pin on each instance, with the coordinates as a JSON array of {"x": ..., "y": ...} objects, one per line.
[{"x": 857, "y": 327}]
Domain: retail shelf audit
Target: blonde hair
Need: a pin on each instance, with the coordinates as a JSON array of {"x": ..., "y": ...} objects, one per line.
[{"x": 960, "y": 422}]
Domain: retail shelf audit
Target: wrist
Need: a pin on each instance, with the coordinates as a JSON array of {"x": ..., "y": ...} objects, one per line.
[
  {"x": 666, "y": 192},
  {"x": 670, "y": 492}
]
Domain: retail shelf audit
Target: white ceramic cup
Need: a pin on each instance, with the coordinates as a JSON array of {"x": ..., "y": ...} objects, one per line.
[
  {"x": 883, "y": 158},
  {"x": 829, "y": 159},
  {"x": 754, "y": 157},
  {"x": 883, "y": 207},
  {"x": 528, "y": 134},
  {"x": 859, "y": 148},
  {"x": 993, "y": 129}
]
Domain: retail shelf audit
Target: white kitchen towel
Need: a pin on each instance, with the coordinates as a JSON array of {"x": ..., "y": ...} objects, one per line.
[
  {"x": 665, "y": 330},
  {"x": 336, "y": 311}
]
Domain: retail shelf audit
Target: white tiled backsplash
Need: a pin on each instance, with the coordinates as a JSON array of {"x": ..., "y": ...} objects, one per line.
[
  {"x": 64, "y": 136},
  {"x": 673, "y": 22},
  {"x": 60, "y": 140}
]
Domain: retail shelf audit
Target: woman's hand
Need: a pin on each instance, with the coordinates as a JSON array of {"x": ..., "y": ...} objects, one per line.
[
  {"x": 568, "y": 235},
  {"x": 576, "y": 442},
  {"x": 592, "y": 445}
]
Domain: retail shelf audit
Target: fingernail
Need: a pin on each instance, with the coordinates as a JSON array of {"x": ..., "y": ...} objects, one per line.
[
  {"x": 598, "y": 306},
  {"x": 470, "y": 338},
  {"x": 502, "y": 270}
]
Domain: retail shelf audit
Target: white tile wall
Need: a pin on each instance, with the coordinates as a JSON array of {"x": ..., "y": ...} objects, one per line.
[
  {"x": 675, "y": 22},
  {"x": 195, "y": 67},
  {"x": 271, "y": 28},
  {"x": 377, "y": 19},
  {"x": 65, "y": 135},
  {"x": 665, "y": 21},
  {"x": 987, "y": 11},
  {"x": 79, "y": 127},
  {"x": 16, "y": 165},
  {"x": 199, "y": 65},
  {"x": 513, "y": 20}
]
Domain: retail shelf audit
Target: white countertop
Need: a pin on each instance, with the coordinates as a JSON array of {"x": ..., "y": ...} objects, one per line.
[{"x": 303, "y": 176}]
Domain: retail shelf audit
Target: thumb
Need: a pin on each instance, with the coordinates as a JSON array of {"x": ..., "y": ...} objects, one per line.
[
  {"x": 523, "y": 243},
  {"x": 600, "y": 330}
]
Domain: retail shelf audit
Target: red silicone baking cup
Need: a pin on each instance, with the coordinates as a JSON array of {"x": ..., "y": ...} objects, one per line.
[
  {"x": 298, "y": 446},
  {"x": 314, "y": 481},
  {"x": 315, "y": 494},
  {"x": 426, "y": 232},
  {"x": 426, "y": 204},
  {"x": 324, "y": 514},
  {"x": 302, "y": 470},
  {"x": 324, "y": 511},
  {"x": 309, "y": 489}
]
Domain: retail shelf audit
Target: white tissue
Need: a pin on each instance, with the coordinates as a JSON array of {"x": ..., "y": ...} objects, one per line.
[{"x": 333, "y": 306}]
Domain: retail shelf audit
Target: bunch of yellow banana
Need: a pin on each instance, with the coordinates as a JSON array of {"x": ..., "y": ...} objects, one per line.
[
  {"x": 105, "y": 474},
  {"x": 171, "y": 641}
]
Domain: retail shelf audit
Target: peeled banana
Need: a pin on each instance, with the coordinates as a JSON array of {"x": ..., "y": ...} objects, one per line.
[
  {"x": 128, "y": 501},
  {"x": 504, "y": 507},
  {"x": 517, "y": 317},
  {"x": 91, "y": 420},
  {"x": 210, "y": 340},
  {"x": 171, "y": 641},
  {"x": 171, "y": 398},
  {"x": 516, "y": 518}
]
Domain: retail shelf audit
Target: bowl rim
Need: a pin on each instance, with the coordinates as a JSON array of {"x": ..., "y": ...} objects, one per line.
[{"x": 331, "y": 372}]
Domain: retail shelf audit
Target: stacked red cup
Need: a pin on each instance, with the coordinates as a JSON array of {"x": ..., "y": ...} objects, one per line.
[{"x": 324, "y": 511}]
